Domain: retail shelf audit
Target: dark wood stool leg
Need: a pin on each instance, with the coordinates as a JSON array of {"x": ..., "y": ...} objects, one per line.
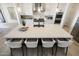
[
  {"x": 23, "y": 45},
  {"x": 37, "y": 51},
  {"x": 11, "y": 51},
  {"x": 52, "y": 51},
  {"x": 26, "y": 51},
  {"x": 66, "y": 51},
  {"x": 22, "y": 50},
  {"x": 56, "y": 50},
  {"x": 42, "y": 51}
]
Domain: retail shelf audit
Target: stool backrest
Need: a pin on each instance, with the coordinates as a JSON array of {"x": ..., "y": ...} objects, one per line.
[{"x": 63, "y": 43}]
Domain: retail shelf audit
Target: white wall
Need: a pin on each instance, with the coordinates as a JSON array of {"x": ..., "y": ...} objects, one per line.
[
  {"x": 70, "y": 15},
  {"x": 64, "y": 15},
  {"x": 75, "y": 18}
]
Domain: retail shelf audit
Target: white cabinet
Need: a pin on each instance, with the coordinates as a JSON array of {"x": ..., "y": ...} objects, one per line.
[
  {"x": 50, "y": 8},
  {"x": 27, "y": 8},
  {"x": 29, "y": 22},
  {"x": 62, "y": 6}
]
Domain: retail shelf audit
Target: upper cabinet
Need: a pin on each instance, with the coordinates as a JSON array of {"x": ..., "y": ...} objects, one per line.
[
  {"x": 50, "y": 8},
  {"x": 26, "y": 8},
  {"x": 61, "y": 6}
]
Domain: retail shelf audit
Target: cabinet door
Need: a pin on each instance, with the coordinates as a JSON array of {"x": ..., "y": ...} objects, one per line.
[
  {"x": 27, "y": 9},
  {"x": 28, "y": 22}
]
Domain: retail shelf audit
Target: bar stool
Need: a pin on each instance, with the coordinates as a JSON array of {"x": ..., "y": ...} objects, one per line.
[
  {"x": 63, "y": 43},
  {"x": 31, "y": 43},
  {"x": 14, "y": 43},
  {"x": 48, "y": 43}
]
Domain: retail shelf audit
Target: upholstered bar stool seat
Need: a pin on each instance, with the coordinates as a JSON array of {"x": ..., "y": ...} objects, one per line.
[
  {"x": 48, "y": 43},
  {"x": 63, "y": 43},
  {"x": 31, "y": 43},
  {"x": 14, "y": 43}
]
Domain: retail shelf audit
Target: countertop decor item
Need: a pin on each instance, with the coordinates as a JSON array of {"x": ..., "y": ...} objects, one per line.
[
  {"x": 23, "y": 23},
  {"x": 26, "y": 16},
  {"x": 23, "y": 28}
]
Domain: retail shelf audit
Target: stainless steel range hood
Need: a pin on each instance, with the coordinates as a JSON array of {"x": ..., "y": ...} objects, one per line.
[{"x": 38, "y": 7}]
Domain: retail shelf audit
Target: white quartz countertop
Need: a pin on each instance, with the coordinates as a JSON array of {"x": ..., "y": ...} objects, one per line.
[{"x": 49, "y": 31}]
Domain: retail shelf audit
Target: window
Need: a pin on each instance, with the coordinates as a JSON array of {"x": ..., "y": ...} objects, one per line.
[
  {"x": 2, "y": 20},
  {"x": 12, "y": 13}
]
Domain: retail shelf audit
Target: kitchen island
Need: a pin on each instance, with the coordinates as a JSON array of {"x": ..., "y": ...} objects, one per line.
[{"x": 49, "y": 31}]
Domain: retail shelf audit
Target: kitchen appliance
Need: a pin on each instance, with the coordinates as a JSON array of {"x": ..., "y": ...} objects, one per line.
[
  {"x": 58, "y": 17},
  {"x": 39, "y": 22}
]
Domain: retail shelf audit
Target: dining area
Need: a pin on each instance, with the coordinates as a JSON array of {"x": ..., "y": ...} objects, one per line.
[{"x": 38, "y": 41}]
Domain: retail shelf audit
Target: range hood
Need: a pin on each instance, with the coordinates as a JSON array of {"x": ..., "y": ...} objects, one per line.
[{"x": 38, "y": 7}]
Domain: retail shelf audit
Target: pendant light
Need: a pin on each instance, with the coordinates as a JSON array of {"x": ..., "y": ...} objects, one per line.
[{"x": 57, "y": 9}]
